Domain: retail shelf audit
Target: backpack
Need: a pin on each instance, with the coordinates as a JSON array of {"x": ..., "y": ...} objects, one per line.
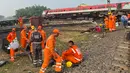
[{"x": 36, "y": 37}]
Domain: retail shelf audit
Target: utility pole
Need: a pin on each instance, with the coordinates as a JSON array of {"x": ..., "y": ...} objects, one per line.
[{"x": 109, "y": 7}]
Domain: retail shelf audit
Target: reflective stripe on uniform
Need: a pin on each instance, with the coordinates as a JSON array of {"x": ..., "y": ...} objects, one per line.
[
  {"x": 58, "y": 66},
  {"x": 77, "y": 59},
  {"x": 58, "y": 63},
  {"x": 12, "y": 57},
  {"x": 73, "y": 50}
]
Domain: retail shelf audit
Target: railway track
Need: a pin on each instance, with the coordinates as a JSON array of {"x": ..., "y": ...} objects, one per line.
[
  {"x": 121, "y": 62},
  {"x": 5, "y": 30}
]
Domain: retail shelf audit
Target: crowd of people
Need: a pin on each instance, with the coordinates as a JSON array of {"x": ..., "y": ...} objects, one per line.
[
  {"x": 111, "y": 19},
  {"x": 110, "y": 22},
  {"x": 42, "y": 49}
]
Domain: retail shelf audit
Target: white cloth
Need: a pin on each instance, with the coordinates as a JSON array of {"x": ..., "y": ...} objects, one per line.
[
  {"x": 14, "y": 44},
  {"x": 117, "y": 24}
]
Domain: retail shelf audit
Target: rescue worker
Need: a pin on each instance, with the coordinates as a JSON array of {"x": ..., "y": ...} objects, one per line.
[
  {"x": 129, "y": 16},
  {"x": 111, "y": 22},
  {"x": 50, "y": 53},
  {"x": 24, "y": 40},
  {"x": 29, "y": 37},
  {"x": 11, "y": 36},
  {"x": 124, "y": 20},
  {"x": 30, "y": 31},
  {"x": 36, "y": 40},
  {"x": 43, "y": 33},
  {"x": 73, "y": 54},
  {"x": 106, "y": 20},
  {"x": 20, "y": 20},
  {"x": 114, "y": 23}
]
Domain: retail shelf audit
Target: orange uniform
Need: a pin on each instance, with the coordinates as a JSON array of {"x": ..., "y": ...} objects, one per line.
[
  {"x": 73, "y": 54},
  {"x": 23, "y": 39},
  {"x": 11, "y": 36},
  {"x": 111, "y": 22},
  {"x": 43, "y": 33},
  {"x": 49, "y": 53},
  {"x": 29, "y": 33},
  {"x": 20, "y": 22},
  {"x": 29, "y": 37},
  {"x": 106, "y": 20},
  {"x": 128, "y": 16},
  {"x": 114, "y": 22}
]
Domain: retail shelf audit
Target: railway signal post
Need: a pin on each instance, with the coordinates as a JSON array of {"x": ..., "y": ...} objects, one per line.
[{"x": 109, "y": 7}]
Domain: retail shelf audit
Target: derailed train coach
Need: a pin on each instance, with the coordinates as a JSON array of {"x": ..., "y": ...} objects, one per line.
[
  {"x": 86, "y": 12},
  {"x": 4, "y": 23},
  {"x": 11, "y": 22}
]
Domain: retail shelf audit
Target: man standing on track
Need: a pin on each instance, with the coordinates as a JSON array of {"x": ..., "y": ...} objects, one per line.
[
  {"x": 24, "y": 38},
  {"x": 50, "y": 53},
  {"x": 43, "y": 33},
  {"x": 36, "y": 40},
  {"x": 11, "y": 36}
]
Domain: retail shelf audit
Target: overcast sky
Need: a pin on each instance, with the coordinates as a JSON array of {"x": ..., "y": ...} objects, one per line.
[{"x": 8, "y": 7}]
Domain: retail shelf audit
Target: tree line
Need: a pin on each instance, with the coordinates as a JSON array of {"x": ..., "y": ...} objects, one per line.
[{"x": 27, "y": 12}]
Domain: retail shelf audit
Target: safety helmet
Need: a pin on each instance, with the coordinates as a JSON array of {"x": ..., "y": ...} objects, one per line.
[
  {"x": 69, "y": 64},
  {"x": 39, "y": 27},
  {"x": 56, "y": 31},
  {"x": 100, "y": 24},
  {"x": 32, "y": 27},
  {"x": 109, "y": 13}
]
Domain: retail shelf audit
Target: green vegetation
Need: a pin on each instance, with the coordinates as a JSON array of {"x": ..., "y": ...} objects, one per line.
[{"x": 35, "y": 10}]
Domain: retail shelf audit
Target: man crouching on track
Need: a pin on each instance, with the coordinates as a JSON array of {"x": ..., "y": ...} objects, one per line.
[
  {"x": 36, "y": 39},
  {"x": 73, "y": 54},
  {"x": 50, "y": 53}
]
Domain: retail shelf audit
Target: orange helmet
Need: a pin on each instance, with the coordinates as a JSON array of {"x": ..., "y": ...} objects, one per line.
[
  {"x": 39, "y": 27},
  {"x": 56, "y": 31}
]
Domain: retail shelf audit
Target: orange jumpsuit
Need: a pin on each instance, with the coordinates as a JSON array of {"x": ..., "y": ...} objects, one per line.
[
  {"x": 20, "y": 22},
  {"x": 23, "y": 39},
  {"x": 29, "y": 37},
  {"x": 73, "y": 54},
  {"x": 29, "y": 33},
  {"x": 50, "y": 53},
  {"x": 43, "y": 33},
  {"x": 106, "y": 20},
  {"x": 114, "y": 22},
  {"x": 11, "y": 36},
  {"x": 128, "y": 16},
  {"x": 111, "y": 22}
]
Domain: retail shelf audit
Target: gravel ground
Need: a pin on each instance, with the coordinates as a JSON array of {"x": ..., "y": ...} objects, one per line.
[{"x": 101, "y": 53}]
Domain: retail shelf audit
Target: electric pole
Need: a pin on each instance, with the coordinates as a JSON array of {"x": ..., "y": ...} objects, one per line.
[{"x": 109, "y": 7}]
